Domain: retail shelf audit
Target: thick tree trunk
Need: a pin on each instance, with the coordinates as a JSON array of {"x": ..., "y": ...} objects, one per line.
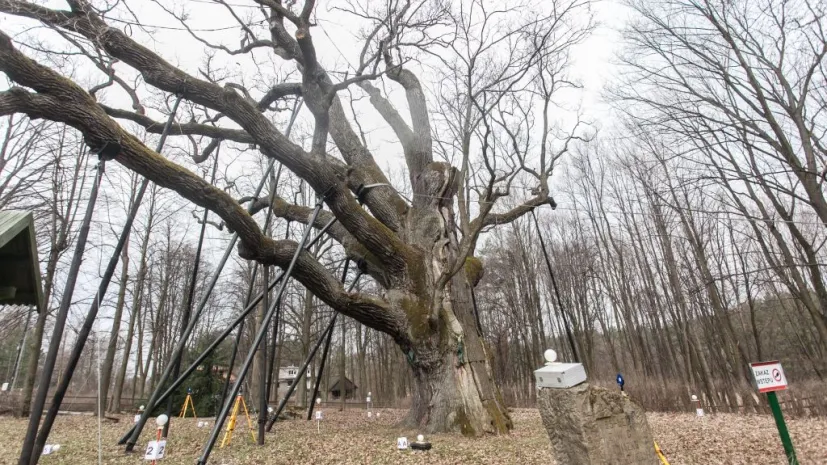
[
  {"x": 452, "y": 376},
  {"x": 453, "y": 382}
]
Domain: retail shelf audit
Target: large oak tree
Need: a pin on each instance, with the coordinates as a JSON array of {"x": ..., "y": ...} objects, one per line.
[{"x": 480, "y": 156}]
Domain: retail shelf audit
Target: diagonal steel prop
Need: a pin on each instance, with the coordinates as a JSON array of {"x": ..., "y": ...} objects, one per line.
[
  {"x": 225, "y": 410},
  {"x": 132, "y": 438}
]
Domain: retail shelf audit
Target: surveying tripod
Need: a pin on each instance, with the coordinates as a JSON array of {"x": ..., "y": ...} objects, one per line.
[
  {"x": 228, "y": 435},
  {"x": 188, "y": 402}
]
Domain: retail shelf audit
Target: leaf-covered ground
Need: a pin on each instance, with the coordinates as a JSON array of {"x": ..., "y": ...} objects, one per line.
[{"x": 351, "y": 438}]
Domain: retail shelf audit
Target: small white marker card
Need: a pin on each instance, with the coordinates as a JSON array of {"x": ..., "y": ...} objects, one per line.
[
  {"x": 699, "y": 412},
  {"x": 155, "y": 450},
  {"x": 318, "y": 414},
  {"x": 370, "y": 414},
  {"x": 49, "y": 448},
  {"x": 368, "y": 399},
  {"x": 137, "y": 418},
  {"x": 402, "y": 443}
]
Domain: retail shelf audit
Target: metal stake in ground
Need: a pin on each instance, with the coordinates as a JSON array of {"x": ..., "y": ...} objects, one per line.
[
  {"x": 259, "y": 336},
  {"x": 769, "y": 377}
]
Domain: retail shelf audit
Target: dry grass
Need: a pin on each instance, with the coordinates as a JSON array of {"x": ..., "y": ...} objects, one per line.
[{"x": 350, "y": 438}]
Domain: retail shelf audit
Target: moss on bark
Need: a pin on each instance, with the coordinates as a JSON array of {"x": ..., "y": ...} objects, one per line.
[{"x": 473, "y": 270}]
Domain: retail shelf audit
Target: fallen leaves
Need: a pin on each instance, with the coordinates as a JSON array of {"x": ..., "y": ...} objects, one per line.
[{"x": 351, "y": 438}]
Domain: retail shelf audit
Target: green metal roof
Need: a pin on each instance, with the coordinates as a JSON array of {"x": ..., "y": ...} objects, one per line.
[{"x": 20, "y": 281}]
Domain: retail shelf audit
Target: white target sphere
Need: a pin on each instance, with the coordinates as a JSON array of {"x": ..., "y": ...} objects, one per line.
[
  {"x": 318, "y": 400},
  {"x": 420, "y": 438},
  {"x": 694, "y": 397},
  {"x": 550, "y": 355},
  {"x": 161, "y": 420}
]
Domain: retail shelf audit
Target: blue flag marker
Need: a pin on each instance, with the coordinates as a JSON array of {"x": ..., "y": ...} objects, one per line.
[{"x": 620, "y": 381}]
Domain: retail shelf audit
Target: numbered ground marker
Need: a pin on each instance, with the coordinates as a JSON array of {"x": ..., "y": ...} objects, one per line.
[
  {"x": 155, "y": 450},
  {"x": 402, "y": 443}
]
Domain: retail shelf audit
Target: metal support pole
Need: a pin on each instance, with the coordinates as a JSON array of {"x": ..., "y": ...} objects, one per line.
[
  {"x": 271, "y": 367},
  {"x": 556, "y": 290},
  {"x": 259, "y": 336},
  {"x": 132, "y": 438},
  {"x": 30, "y": 452},
  {"x": 789, "y": 450},
  {"x": 263, "y": 369},
  {"x": 303, "y": 369},
  {"x": 185, "y": 318},
  {"x": 262, "y": 372},
  {"x": 91, "y": 315},
  {"x": 238, "y": 321},
  {"x": 249, "y": 295},
  {"x": 324, "y": 357}
]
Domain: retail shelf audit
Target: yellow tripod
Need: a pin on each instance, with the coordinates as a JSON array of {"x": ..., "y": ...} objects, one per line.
[
  {"x": 228, "y": 435},
  {"x": 188, "y": 402}
]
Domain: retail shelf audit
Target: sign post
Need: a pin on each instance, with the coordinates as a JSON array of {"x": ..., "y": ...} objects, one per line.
[{"x": 769, "y": 377}]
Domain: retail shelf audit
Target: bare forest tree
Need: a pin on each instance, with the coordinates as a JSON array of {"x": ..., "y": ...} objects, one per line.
[{"x": 740, "y": 85}]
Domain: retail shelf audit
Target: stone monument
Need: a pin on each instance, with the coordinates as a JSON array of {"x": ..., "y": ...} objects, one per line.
[{"x": 590, "y": 425}]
